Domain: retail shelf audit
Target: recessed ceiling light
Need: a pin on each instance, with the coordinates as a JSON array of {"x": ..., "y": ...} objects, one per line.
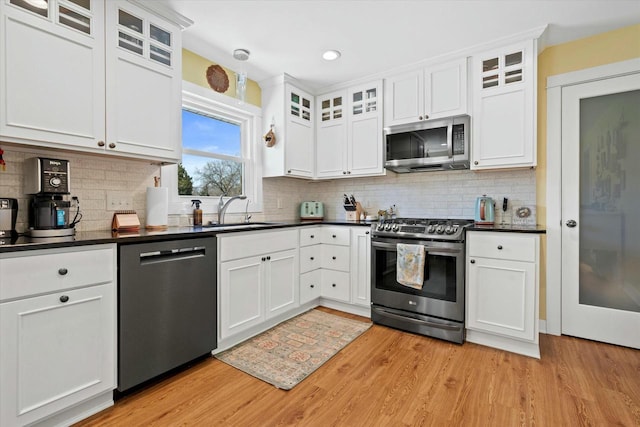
[
  {"x": 331, "y": 55},
  {"x": 241, "y": 54}
]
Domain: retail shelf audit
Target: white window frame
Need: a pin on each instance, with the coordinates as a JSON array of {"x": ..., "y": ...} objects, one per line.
[{"x": 249, "y": 117}]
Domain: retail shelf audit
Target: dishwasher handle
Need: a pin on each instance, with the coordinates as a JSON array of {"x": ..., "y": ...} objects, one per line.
[{"x": 169, "y": 255}]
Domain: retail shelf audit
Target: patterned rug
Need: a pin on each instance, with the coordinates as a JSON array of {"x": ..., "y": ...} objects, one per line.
[{"x": 287, "y": 353}]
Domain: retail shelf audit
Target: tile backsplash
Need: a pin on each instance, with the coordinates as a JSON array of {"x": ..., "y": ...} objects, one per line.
[{"x": 450, "y": 194}]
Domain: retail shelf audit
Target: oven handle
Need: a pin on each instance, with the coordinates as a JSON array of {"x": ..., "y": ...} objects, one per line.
[
  {"x": 414, "y": 320},
  {"x": 428, "y": 248}
]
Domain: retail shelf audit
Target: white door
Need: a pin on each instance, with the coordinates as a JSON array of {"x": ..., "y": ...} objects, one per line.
[{"x": 600, "y": 210}]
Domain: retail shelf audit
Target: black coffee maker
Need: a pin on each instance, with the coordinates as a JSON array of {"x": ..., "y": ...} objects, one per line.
[{"x": 47, "y": 180}]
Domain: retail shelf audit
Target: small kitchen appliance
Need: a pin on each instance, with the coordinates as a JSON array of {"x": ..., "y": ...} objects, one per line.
[
  {"x": 8, "y": 217},
  {"x": 311, "y": 211},
  {"x": 485, "y": 210},
  {"x": 47, "y": 180}
]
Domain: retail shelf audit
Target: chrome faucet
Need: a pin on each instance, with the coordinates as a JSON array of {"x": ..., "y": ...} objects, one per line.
[{"x": 222, "y": 206}]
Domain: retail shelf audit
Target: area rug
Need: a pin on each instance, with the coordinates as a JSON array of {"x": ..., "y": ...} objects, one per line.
[{"x": 289, "y": 352}]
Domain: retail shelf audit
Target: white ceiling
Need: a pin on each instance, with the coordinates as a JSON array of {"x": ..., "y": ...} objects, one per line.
[{"x": 377, "y": 35}]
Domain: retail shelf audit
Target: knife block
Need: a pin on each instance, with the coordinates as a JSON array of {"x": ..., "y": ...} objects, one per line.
[{"x": 354, "y": 215}]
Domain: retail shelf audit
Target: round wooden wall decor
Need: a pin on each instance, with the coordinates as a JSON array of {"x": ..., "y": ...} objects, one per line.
[{"x": 217, "y": 78}]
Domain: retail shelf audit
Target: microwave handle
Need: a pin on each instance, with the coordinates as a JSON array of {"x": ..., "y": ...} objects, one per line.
[{"x": 450, "y": 139}]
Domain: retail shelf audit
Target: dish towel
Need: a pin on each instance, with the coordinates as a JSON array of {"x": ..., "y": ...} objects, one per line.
[{"x": 410, "y": 265}]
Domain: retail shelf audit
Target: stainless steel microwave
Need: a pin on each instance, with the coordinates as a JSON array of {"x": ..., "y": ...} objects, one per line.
[{"x": 426, "y": 146}]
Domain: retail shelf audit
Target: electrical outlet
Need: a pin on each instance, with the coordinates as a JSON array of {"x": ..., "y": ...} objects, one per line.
[{"x": 118, "y": 201}]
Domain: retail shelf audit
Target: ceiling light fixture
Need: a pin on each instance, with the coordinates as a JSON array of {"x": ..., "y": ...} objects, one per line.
[
  {"x": 40, "y": 4},
  {"x": 241, "y": 54},
  {"x": 331, "y": 55}
]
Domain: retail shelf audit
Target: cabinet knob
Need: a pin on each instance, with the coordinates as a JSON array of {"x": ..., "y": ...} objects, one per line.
[
  {"x": 420, "y": 118},
  {"x": 366, "y": 232},
  {"x": 268, "y": 258},
  {"x": 264, "y": 259},
  {"x": 312, "y": 286},
  {"x": 475, "y": 163},
  {"x": 112, "y": 145},
  {"x": 473, "y": 261},
  {"x": 100, "y": 143},
  {"x": 333, "y": 235},
  {"x": 289, "y": 171},
  {"x": 344, "y": 172},
  {"x": 311, "y": 258},
  {"x": 499, "y": 247},
  {"x": 333, "y": 285},
  {"x": 426, "y": 116},
  {"x": 62, "y": 271},
  {"x": 333, "y": 257},
  {"x": 348, "y": 172},
  {"x": 64, "y": 298},
  {"x": 312, "y": 236}
]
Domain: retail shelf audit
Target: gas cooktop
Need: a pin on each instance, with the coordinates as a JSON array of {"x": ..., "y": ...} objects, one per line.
[{"x": 421, "y": 228}]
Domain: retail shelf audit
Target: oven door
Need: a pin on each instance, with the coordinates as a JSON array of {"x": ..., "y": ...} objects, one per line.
[{"x": 442, "y": 293}]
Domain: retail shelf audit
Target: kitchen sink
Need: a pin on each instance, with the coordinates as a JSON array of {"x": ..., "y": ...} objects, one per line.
[{"x": 236, "y": 225}]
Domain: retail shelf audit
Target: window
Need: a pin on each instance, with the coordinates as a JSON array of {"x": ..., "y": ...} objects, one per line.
[{"x": 220, "y": 153}]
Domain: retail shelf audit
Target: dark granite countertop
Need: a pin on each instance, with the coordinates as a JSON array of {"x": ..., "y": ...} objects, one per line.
[
  {"x": 24, "y": 243},
  {"x": 509, "y": 228}
]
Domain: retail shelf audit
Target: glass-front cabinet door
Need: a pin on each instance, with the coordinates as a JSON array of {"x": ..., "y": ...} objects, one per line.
[
  {"x": 364, "y": 135},
  {"x": 331, "y": 135}
]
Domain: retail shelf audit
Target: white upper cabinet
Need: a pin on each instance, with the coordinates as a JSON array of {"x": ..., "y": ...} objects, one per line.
[
  {"x": 291, "y": 112},
  {"x": 92, "y": 76},
  {"x": 430, "y": 93},
  {"x": 504, "y": 107},
  {"x": 349, "y": 132},
  {"x": 52, "y": 73},
  {"x": 144, "y": 81}
]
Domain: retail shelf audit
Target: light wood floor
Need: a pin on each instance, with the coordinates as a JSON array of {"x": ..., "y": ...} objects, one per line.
[{"x": 392, "y": 378}]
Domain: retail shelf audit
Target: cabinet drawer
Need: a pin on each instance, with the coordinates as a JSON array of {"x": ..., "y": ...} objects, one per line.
[
  {"x": 335, "y": 285},
  {"x": 310, "y": 258},
  {"x": 508, "y": 246},
  {"x": 335, "y": 235},
  {"x": 256, "y": 243},
  {"x": 310, "y": 286},
  {"x": 335, "y": 257},
  {"x": 309, "y": 236},
  {"x": 39, "y": 272}
]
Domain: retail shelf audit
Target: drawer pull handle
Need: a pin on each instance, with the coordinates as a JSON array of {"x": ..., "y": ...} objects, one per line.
[
  {"x": 333, "y": 285},
  {"x": 473, "y": 261},
  {"x": 499, "y": 247},
  {"x": 333, "y": 257},
  {"x": 62, "y": 271},
  {"x": 64, "y": 298}
]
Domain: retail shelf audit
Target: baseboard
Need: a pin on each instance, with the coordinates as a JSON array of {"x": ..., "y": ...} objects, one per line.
[
  {"x": 78, "y": 412},
  {"x": 543, "y": 326},
  {"x": 358, "y": 310},
  {"x": 503, "y": 343}
]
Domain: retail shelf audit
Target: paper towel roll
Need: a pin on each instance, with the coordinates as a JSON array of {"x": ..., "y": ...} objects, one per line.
[{"x": 157, "y": 207}]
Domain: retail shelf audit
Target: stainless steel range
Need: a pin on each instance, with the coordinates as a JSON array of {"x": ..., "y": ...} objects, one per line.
[{"x": 436, "y": 308}]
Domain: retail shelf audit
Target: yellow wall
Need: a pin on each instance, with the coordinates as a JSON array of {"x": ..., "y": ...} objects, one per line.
[
  {"x": 194, "y": 70},
  {"x": 605, "y": 48}
]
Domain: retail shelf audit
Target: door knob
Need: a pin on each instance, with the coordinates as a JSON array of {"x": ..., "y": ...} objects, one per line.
[{"x": 571, "y": 223}]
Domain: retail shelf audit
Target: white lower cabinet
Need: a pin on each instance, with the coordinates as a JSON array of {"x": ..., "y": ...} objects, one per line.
[
  {"x": 58, "y": 334},
  {"x": 361, "y": 266},
  {"x": 310, "y": 286},
  {"x": 502, "y": 291},
  {"x": 262, "y": 283}
]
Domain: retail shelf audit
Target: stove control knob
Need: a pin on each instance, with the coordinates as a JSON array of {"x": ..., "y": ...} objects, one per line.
[
  {"x": 395, "y": 227},
  {"x": 440, "y": 229},
  {"x": 449, "y": 229},
  {"x": 387, "y": 227},
  {"x": 380, "y": 226},
  {"x": 431, "y": 229}
]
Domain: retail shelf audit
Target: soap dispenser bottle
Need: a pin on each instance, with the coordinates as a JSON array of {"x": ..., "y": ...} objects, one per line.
[{"x": 197, "y": 212}]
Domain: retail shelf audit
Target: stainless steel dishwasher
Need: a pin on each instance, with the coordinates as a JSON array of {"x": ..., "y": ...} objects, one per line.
[{"x": 166, "y": 306}]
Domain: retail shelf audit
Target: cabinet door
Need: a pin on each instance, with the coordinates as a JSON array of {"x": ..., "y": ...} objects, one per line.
[
  {"x": 335, "y": 285},
  {"x": 52, "y": 74},
  {"x": 57, "y": 350},
  {"x": 331, "y": 141},
  {"x": 446, "y": 89},
  {"x": 335, "y": 257},
  {"x": 241, "y": 303},
  {"x": 404, "y": 95},
  {"x": 299, "y": 143},
  {"x": 361, "y": 266},
  {"x": 365, "y": 156},
  {"x": 310, "y": 258},
  {"x": 501, "y": 297},
  {"x": 310, "y": 286},
  {"x": 504, "y": 131},
  {"x": 144, "y": 80},
  {"x": 282, "y": 282}
]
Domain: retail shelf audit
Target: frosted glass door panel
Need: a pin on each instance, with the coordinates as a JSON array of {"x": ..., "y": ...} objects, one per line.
[{"x": 610, "y": 201}]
